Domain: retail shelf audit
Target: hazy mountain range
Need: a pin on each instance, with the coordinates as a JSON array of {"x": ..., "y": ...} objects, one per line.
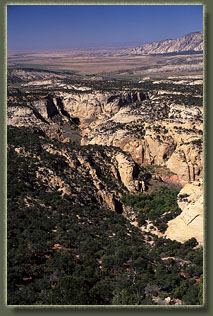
[{"x": 189, "y": 42}]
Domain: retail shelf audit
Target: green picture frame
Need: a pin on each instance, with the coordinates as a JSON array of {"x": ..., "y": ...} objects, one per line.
[{"x": 207, "y": 308}]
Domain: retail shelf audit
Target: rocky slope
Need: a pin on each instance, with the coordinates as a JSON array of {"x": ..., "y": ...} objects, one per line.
[
  {"x": 87, "y": 174},
  {"x": 68, "y": 241},
  {"x": 189, "y": 42},
  {"x": 34, "y": 76}
]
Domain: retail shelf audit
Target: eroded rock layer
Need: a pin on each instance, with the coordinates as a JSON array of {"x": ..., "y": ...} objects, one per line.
[{"x": 152, "y": 132}]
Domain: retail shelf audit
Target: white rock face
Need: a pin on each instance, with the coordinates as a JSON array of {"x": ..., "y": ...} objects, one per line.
[
  {"x": 126, "y": 170},
  {"x": 190, "y": 222},
  {"x": 187, "y": 162}
]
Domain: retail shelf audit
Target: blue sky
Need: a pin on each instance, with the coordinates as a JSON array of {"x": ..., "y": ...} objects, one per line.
[{"x": 74, "y": 26}]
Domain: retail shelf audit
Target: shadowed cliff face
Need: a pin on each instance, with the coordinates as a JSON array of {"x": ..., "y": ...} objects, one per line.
[
  {"x": 132, "y": 97},
  {"x": 51, "y": 108},
  {"x": 61, "y": 107}
]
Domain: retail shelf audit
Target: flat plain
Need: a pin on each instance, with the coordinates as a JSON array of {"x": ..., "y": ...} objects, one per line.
[{"x": 108, "y": 62}]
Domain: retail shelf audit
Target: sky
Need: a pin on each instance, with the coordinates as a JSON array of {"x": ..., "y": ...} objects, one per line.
[{"x": 77, "y": 26}]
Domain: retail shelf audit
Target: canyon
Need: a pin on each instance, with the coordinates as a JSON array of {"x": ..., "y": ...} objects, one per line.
[
  {"x": 105, "y": 175},
  {"x": 150, "y": 127}
]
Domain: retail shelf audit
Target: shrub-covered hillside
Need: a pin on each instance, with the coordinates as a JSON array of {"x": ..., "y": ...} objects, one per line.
[{"x": 66, "y": 247}]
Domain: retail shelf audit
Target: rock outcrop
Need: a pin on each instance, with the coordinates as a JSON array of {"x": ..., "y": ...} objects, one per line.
[
  {"x": 160, "y": 143},
  {"x": 190, "y": 222}
]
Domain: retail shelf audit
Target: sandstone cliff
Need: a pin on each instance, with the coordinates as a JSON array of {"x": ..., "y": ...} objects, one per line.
[{"x": 190, "y": 222}]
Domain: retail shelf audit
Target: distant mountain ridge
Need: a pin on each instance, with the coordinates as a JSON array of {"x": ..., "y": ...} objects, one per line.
[{"x": 189, "y": 42}]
